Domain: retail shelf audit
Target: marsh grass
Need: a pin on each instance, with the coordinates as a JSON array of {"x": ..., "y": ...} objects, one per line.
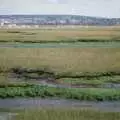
[{"x": 61, "y": 60}]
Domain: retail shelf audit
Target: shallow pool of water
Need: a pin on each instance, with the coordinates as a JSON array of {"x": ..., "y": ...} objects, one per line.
[{"x": 19, "y": 103}]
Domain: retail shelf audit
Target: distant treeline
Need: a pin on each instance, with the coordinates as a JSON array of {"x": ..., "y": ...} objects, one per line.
[{"x": 57, "y": 20}]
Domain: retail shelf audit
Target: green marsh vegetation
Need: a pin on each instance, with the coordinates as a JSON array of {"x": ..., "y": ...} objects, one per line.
[{"x": 88, "y": 94}]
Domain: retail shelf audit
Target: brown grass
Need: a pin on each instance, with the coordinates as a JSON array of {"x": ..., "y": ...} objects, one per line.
[
  {"x": 54, "y": 33},
  {"x": 62, "y": 59}
]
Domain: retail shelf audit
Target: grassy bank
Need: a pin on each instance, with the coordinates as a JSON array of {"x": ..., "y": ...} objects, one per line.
[
  {"x": 90, "y": 94},
  {"x": 55, "y": 34},
  {"x": 65, "y": 114}
]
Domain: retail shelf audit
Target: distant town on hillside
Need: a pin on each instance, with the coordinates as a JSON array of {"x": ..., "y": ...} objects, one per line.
[{"x": 15, "y": 20}]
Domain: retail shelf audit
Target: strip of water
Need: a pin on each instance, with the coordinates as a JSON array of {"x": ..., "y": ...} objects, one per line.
[{"x": 62, "y": 45}]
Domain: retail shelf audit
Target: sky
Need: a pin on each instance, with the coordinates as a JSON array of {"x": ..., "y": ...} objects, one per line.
[{"x": 98, "y": 8}]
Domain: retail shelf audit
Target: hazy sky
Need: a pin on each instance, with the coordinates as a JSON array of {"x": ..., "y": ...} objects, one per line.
[{"x": 102, "y": 8}]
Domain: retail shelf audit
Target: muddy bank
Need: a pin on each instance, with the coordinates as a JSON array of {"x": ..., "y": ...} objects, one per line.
[
  {"x": 47, "y": 77},
  {"x": 25, "y": 72}
]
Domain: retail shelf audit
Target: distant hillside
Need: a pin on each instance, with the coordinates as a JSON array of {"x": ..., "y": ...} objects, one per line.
[{"x": 57, "y": 19}]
